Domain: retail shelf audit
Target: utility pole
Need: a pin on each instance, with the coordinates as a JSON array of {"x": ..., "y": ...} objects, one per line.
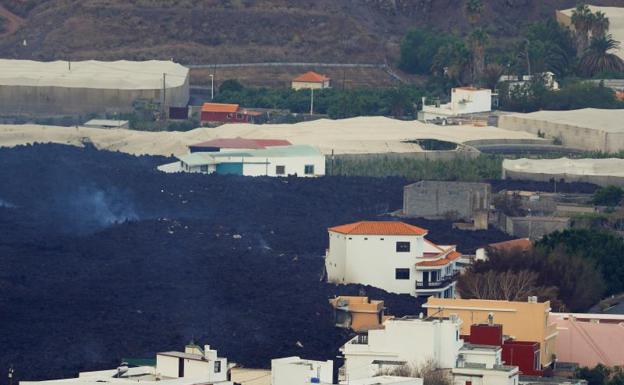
[
  {"x": 311, "y": 101},
  {"x": 211, "y": 86}
]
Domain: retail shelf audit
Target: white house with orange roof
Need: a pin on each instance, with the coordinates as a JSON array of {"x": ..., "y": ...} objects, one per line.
[
  {"x": 310, "y": 80},
  {"x": 393, "y": 256}
]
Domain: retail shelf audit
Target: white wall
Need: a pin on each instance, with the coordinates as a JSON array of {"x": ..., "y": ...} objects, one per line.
[
  {"x": 308, "y": 85},
  {"x": 167, "y": 366},
  {"x": 411, "y": 340},
  {"x": 476, "y": 100},
  {"x": 484, "y": 377},
  {"x": 293, "y": 165},
  {"x": 372, "y": 260},
  {"x": 295, "y": 371}
]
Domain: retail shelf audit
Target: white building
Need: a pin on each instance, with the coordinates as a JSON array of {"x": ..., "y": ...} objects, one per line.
[
  {"x": 404, "y": 341},
  {"x": 299, "y": 160},
  {"x": 482, "y": 365},
  {"x": 464, "y": 100},
  {"x": 194, "y": 366},
  {"x": 295, "y": 371},
  {"x": 310, "y": 80},
  {"x": 107, "y": 123},
  {"x": 393, "y": 256},
  {"x": 387, "y": 380}
]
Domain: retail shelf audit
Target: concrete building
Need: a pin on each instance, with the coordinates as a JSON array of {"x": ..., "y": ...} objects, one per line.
[
  {"x": 387, "y": 380},
  {"x": 194, "y": 366},
  {"x": 299, "y": 160},
  {"x": 588, "y": 129},
  {"x": 359, "y": 314},
  {"x": 482, "y": 364},
  {"x": 404, "y": 341},
  {"x": 393, "y": 256},
  {"x": 61, "y": 87},
  {"x": 295, "y": 371},
  {"x": 590, "y": 339},
  {"x": 535, "y": 227},
  {"x": 603, "y": 172},
  {"x": 464, "y": 100},
  {"x": 457, "y": 200},
  {"x": 523, "y": 321},
  {"x": 310, "y": 80}
]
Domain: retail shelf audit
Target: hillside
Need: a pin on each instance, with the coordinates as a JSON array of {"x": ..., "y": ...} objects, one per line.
[{"x": 222, "y": 31}]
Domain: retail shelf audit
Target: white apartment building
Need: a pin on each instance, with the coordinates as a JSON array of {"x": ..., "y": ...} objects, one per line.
[
  {"x": 464, "y": 100},
  {"x": 393, "y": 256},
  {"x": 482, "y": 365},
  {"x": 194, "y": 366},
  {"x": 403, "y": 341},
  {"x": 295, "y": 371}
]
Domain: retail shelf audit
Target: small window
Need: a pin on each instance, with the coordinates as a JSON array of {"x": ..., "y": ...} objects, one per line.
[
  {"x": 217, "y": 367},
  {"x": 280, "y": 170},
  {"x": 402, "y": 273},
  {"x": 309, "y": 169},
  {"x": 203, "y": 168},
  {"x": 402, "y": 247}
]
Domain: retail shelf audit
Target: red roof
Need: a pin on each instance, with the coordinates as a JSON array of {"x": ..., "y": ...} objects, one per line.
[
  {"x": 252, "y": 144},
  {"x": 453, "y": 255},
  {"x": 311, "y": 77},
  {"x": 378, "y": 228},
  {"x": 521, "y": 244},
  {"x": 219, "y": 107}
]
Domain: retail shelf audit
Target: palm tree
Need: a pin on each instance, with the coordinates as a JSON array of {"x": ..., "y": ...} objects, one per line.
[
  {"x": 582, "y": 20},
  {"x": 474, "y": 8},
  {"x": 478, "y": 39},
  {"x": 597, "y": 57},
  {"x": 600, "y": 24}
]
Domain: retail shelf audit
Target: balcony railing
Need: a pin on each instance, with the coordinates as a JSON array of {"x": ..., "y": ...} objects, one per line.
[
  {"x": 361, "y": 339},
  {"x": 443, "y": 282}
]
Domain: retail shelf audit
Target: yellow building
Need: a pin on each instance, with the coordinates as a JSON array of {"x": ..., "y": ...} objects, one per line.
[
  {"x": 523, "y": 321},
  {"x": 358, "y": 313}
]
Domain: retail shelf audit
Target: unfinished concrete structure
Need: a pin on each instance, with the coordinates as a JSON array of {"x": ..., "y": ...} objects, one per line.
[
  {"x": 54, "y": 88},
  {"x": 602, "y": 172},
  {"x": 457, "y": 200}
]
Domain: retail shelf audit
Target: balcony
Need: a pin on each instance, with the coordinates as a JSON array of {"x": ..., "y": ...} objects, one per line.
[
  {"x": 443, "y": 282},
  {"x": 360, "y": 339}
]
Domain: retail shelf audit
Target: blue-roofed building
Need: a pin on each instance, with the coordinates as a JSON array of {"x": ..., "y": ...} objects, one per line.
[{"x": 299, "y": 160}]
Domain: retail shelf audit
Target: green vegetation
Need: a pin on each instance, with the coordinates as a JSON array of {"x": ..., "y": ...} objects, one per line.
[
  {"x": 337, "y": 103},
  {"x": 601, "y": 375},
  {"x": 599, "y": 59},
  {"x": 608, "y": 196},
  {"x": 3, "y": 24},
  {"x": 478, "y": 169},
  {"x": 603, "y": 249}
]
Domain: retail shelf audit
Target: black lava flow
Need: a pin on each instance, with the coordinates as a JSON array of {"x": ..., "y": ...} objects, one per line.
[{"x": 102, "y": 258}]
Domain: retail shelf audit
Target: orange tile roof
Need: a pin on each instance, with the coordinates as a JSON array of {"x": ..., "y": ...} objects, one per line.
[
  {"x": 522, "y": 244},
  {"x": 442, "y": 261},
  {"x": 219, "y": 107},
  {"x": 378, "y": 228},
  {"x": 311, "y": 77}
]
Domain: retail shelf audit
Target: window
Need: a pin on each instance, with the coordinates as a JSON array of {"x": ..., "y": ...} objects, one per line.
[
  {"x": 309, "y": 169},
  {"x": 203, "y": 168},
  {"x": 217, "y": 367},
  {"x": 280, "y": 170},
  {"x": 402, "y": 274},
  {"x": 402, "y": 247}
]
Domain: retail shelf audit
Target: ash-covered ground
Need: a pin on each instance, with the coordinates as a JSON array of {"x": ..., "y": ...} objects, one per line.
[{"x": 102, "y": 257}]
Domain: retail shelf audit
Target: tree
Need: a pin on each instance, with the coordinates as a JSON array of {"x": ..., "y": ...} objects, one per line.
[
  {"x": 598, "y": 375},
  {"x": 429, "y": 371},
  {"x": 608, "y": 196},
  {"x": 582, "y": 19},
  {"x": 600, "y": 25},
  {"x": 231, "y": 85},
  {"x": 478, "y": 39},
  {"x": 507, "y": 285},
  {"x": 550, "y": 47},
  {"x": 418, "y": 48},
  {"x": 597, "y": 57},
  {"x": 453, "y": 62},
  {"x": 474, "y": 9}
]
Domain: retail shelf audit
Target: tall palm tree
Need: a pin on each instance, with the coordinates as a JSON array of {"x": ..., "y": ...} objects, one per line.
[
  {"x": 478, "y": 39},
  {"x": 582, "y": 20},
  {"x": 600, "y": 24},
  {"x": 597, "y": 57},
  {"x": 474, "y": 8}
]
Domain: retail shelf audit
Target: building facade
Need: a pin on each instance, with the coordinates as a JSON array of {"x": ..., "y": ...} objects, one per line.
[
  {"x": 437, "y": 199},
  {"x": 393, "y": 256},
  {"x": 227, "y": 113},
  {"x": 359, "y": 314},
  {"x": 403, "y": 341},
  {"x": 522, "y": 321},
  {"x": 464, "y": 100},
  {"x": 295, "y": 371},
  {"x": 310, "y": 80}
]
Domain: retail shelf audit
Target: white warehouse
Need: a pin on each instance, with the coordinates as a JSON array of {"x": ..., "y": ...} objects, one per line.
[
  {"x": 62, "y": 87},
  {"x": 299, "y": 160},
  {"x": 393, "y": 256},
  {"x": 464, "y": 100}
]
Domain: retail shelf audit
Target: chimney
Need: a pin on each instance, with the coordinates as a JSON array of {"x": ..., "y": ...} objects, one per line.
[
  {"x": 533, "y": 299},
  {"x": 209, "y": 354},
  {"x": 491, "y": 319}
]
